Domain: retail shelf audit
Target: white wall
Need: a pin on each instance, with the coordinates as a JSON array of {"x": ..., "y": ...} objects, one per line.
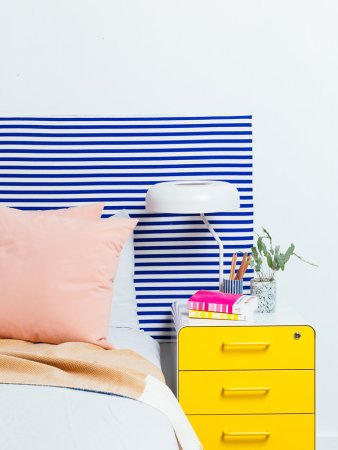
[{"x": 274, "y": 59}]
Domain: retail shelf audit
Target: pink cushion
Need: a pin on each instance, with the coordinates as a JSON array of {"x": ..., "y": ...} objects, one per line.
[
  {"x": 92, "y": 211},
  {"x": 56, "y": 276}
]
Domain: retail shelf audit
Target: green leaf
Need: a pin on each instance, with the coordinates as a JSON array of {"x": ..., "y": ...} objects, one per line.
[
  {"x": 260, "y": 244},
  {"x": 265, "y": 250},
  {"x": 289, "y": 252},
  {"x": 267, "y": 235},
  {"x": 276, "y": 261},
  {"x": 255, "y": 254},
  {"x": 262, "y": 247},
  {"x": 281, "y": 261},
  {"x": 269, "y": 261}
]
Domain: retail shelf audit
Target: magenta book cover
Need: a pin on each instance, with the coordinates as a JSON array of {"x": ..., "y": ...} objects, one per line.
[{"x": 222, "y": 302}]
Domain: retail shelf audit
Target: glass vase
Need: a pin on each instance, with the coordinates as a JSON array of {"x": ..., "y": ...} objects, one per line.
[{"x": 266, "y": 293}]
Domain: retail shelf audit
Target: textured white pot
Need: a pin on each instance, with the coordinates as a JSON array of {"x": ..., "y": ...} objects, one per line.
[{"x": 266, "y": 293}]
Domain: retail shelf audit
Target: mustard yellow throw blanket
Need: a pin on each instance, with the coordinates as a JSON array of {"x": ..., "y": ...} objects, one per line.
[{"x": 85, "y": 366}]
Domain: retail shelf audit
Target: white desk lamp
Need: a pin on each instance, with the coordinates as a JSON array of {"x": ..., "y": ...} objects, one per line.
[{"x": 194, "y": 197}]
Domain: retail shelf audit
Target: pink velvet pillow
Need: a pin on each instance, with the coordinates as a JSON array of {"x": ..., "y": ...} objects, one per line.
[
  {"x": 93, "y": 211},
  {"x": 56, "y": 276}
]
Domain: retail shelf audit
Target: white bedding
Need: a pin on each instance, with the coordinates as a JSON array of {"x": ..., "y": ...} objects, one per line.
[
  {"x": 136, "y": 340},
  {"x": 45, "y": 418}
]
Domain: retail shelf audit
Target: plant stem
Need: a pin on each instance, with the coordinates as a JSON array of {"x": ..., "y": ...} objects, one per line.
[{"x": 304, "y": 260}]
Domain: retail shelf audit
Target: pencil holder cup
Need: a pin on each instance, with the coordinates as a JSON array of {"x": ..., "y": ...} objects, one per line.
[{"x": 233, "y": 286}]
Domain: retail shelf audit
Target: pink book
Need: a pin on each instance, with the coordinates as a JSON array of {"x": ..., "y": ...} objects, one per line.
[{"x": 222, "y": 302}]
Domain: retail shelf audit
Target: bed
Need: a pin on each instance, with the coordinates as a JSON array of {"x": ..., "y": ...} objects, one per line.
[{"x": 40, "y": 418}]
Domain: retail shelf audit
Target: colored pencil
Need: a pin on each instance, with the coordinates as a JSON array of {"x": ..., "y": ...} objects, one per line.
[
  {"x": 233, "y": 266},
  {"x": 240, "y": 270}
]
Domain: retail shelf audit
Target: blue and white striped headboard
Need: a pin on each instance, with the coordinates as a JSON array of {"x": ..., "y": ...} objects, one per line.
[{"x": 55, "y": 162}]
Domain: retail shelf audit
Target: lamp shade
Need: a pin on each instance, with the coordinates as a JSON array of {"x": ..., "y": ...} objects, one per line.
[{"x": 192, "y": 197}]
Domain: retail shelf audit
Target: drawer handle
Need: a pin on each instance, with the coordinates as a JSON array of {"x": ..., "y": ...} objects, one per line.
[
  {"x": 264, "y": 389},
  {"x": 265, "y": 345},
  {"x": 246, "y": 434}
]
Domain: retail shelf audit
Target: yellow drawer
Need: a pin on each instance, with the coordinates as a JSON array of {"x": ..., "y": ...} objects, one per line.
[
  {"x": 246, "y": 347},
  {"x": 260, "y": 432},
  {"x": 247, "y": 392}
]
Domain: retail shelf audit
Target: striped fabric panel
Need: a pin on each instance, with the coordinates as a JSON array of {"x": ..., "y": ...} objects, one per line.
[{"x": 56, "y": 162}]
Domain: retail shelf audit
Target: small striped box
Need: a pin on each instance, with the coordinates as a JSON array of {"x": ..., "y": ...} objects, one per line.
[{"x": 233, "y": 286}]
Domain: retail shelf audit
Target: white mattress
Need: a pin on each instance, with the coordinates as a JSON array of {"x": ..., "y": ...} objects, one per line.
[{"x": 44, "y": 418}]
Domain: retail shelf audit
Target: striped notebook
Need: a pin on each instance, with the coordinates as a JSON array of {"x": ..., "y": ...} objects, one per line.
[{"x": 215, "y": 315}]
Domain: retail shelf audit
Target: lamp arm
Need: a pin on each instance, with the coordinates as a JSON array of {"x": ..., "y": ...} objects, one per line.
[{"x": 221, "y": 249}]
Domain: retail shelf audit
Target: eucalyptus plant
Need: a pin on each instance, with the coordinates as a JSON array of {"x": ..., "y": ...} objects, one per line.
[{"x": 267, "y": 258}]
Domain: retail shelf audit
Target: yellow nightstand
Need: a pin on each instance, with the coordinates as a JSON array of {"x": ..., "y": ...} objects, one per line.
[{"x": 248, "y": 385}]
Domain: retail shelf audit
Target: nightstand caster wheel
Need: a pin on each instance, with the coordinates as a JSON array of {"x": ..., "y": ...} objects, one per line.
[{"x": 297, "y": 335}]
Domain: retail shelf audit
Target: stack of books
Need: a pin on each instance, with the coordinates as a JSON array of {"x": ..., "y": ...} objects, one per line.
[{"x": 221, "y": 306}]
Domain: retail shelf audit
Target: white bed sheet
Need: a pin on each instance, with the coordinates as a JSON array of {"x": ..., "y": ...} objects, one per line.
[
  {"x": 45, "y": 418},
  {"x": 136, "y": 340}
]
